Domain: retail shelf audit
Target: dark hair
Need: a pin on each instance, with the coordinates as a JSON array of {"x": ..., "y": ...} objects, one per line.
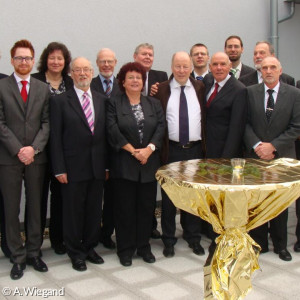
[
  {"x": 130, "y": 67},
  {"x": 21, "y": 44},
  {"x": 234, "y": 37},
  {"x": 198, "y": 45},
  {"x": 42, "y": 66}
]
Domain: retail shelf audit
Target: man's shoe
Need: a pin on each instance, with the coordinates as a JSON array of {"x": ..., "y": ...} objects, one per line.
[
  {"x": 60, "y": 249},
  {"x": 108, "y": 243},
  {"x": 297, "y": 247},
  {"x": 17, "y": 271},
  {"x": 197, "y": 248},
  {"x": 169, "y": 251},
  {"x": 37, "y": 264},
  {"x": 147, "y": 257},
  {"x": 264, "y": 250},
  {"x": 155, "y": 234},
  {"x": 94, "y": 258},
  {"x": 284, "y": 254},
  {"x": 125, "y": 261},
  {"x": 78, "y": 264}
]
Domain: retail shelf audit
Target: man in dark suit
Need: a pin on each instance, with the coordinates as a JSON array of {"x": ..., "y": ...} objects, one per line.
[
  {"x": 144, "y": 54},
  {"x": 181, "y": 145},
  {"x": 200, "y": 58},
  {"x": 225, "y": 110},
  {"x": 262, "y": 50},
  {"x": 234, "y": 49},
  {"x": 78, "y": 150},
  {"x": 106, "y": 84},
  {"x": 24, "y": 132},
  {"x": 272, "y": 127}
]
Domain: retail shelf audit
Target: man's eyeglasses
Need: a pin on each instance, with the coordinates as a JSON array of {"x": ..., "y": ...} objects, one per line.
[
  {"x": 20, "y": 59},
  {"x": 80, "y": 70}
]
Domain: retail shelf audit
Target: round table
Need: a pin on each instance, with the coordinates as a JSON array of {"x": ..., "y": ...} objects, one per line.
[{"x": 233, "y": 204}]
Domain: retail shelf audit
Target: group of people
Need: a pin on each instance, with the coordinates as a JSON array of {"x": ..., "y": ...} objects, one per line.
[{"x": 104, "y": 137}]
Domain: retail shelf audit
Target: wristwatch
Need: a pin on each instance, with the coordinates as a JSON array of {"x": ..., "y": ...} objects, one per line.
[
  {"x": 36, "y": 150},
  {"x": 152, "y": 147}
]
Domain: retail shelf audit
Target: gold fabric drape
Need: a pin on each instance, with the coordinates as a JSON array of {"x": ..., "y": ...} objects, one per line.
[{"x": 233, "y": 205}]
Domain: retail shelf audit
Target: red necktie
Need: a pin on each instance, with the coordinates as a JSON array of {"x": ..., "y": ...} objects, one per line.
[
  {"x": 24, "y": 94},
  {"x": 213, "y": 95}
]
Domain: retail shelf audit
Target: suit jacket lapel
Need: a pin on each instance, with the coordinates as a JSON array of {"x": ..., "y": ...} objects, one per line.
[
  {"x": 97, "y": 108},
  {"x": 279, "y": 102},
  {"x": 17, "y": 93}
]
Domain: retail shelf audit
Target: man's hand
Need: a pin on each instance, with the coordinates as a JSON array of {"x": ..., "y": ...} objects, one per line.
[
  {"x": 154, "y": 89},
  {"x": 265, "y": 151},
  {"x": 26, "y": 155},
  {"x": 62, "y": 178}
]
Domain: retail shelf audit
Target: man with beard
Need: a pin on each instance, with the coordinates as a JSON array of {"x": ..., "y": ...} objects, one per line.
[
  {"x": 78, "y": 149},
  {"x": 200, "y": 59},
  {"x": 272, "y": 127},
  {"x": 234, "y": 49},
  {"x": 144, "y": 54},
  {"x": 106, "y": 84},
  {"x": 262, "y": 50},
  {"x": 24, "y": 132}
]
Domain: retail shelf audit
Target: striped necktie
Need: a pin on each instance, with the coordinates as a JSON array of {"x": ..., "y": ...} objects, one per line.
[
  {"x": 87, "y": 109},
  {"x": 108, "y": 87}
]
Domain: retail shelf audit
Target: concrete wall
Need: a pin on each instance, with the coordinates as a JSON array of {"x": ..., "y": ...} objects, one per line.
[{"x": 170, "y": 25}]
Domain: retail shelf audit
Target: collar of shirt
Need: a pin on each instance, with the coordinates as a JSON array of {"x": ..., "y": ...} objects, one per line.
[
  {"x": 175, "y": 84},
  {"x": 238, "y": 70},
  {"x": 221, "y": 83},
  {"x": 275, "y": 93},
  {"x": 203, "y": 75},
  {"x": 103, "y": 78},
  {"x": 80, "y": 93},
  {"x": 20, "y": 85}
]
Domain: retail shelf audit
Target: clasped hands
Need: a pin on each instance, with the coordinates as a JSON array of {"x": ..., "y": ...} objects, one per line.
[
  {"x": 142, "y": 154},
  {"x": 265, "y": 151},
  {"x": 26, "y": 155}
]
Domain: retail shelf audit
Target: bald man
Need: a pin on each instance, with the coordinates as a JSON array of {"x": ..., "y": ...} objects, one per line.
[{"x": 181, "y": 145}]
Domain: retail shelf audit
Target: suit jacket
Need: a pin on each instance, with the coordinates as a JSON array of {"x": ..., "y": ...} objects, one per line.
[
  {"x": 156, "y": 76},
  {"x": 226, "y": 119},
  {"x": 42, "y": 77},
  {"x": 122, "y": 129},
  {"x": 74, "y": 149},
  {"x": 163, "y": 94},
  {"x": 23, "y": 125},
  {"x": 246, "y": 70},
  {"x": 284, "y": 126},
  {"x": 97, "y": 85},
  {"x": 298, "y": 84},
  {"x": 251, "y": 79},
  {"x": 2, "y": 75}
]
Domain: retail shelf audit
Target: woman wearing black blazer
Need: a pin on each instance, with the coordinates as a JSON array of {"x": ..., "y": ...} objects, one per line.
[
  {"x": 54, "y": 66},
  {"x": 135, "y": 131}
]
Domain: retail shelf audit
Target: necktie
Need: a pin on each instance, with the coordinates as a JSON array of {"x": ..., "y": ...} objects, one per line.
[
  {"x": 183, "y": 119},
  {"x": 199, "y": 78},
  {"x": 86, "y": 106},
  {"x": 24, "y": 94},
  {"x": 233, "y": 72},
  {"x": 108, "y": 87},
  {"x": 213, "y": 95},
  {"x": 270, "y": 105}
]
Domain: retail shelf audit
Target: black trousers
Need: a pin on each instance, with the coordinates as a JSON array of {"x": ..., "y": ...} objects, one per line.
[
  {"x": 4, "y": 246},
  {"x": 11, "y": 179},
  {"x": 133, "y": 210},
  {"x": 191, "y": 224},
  {"x": 82, "y": 206}
]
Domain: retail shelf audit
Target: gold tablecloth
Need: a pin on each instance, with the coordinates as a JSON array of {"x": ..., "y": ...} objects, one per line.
[{"x": 233, "y": 205}]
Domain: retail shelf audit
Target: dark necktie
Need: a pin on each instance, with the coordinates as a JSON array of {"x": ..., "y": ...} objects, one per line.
[
  {"x": 24, "y": 94},
  {"x": 199, "y": 77},
  {"x": 270, "y": 105},
  {"x": 108, "y": 88},
  {"x": 183, "y": 119},
  {"x": 213, "y": 95}
]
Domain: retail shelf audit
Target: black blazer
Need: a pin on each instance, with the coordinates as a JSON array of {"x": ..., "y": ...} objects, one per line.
[
  {"x": 122, "y": 129},
  {"x": 2, "y": 75},
  {"x": 246, "y": 70},
  {"x": 226, "y": 119},
  {"x": 96, "y": 85},
  {"x": 42, "y": 76},
  {"x": 74, "y": 149},
  {"x": 156, "y": 76},
  {"x": 251, "y": 79}
]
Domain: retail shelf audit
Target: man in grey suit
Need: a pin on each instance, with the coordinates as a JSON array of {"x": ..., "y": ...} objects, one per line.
[
  {"x": 24, "y": 132},
  {"x": 234, "y": 48},
  {"x": 262, "y": 50},
  {"x": 272, "y": 127}
]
